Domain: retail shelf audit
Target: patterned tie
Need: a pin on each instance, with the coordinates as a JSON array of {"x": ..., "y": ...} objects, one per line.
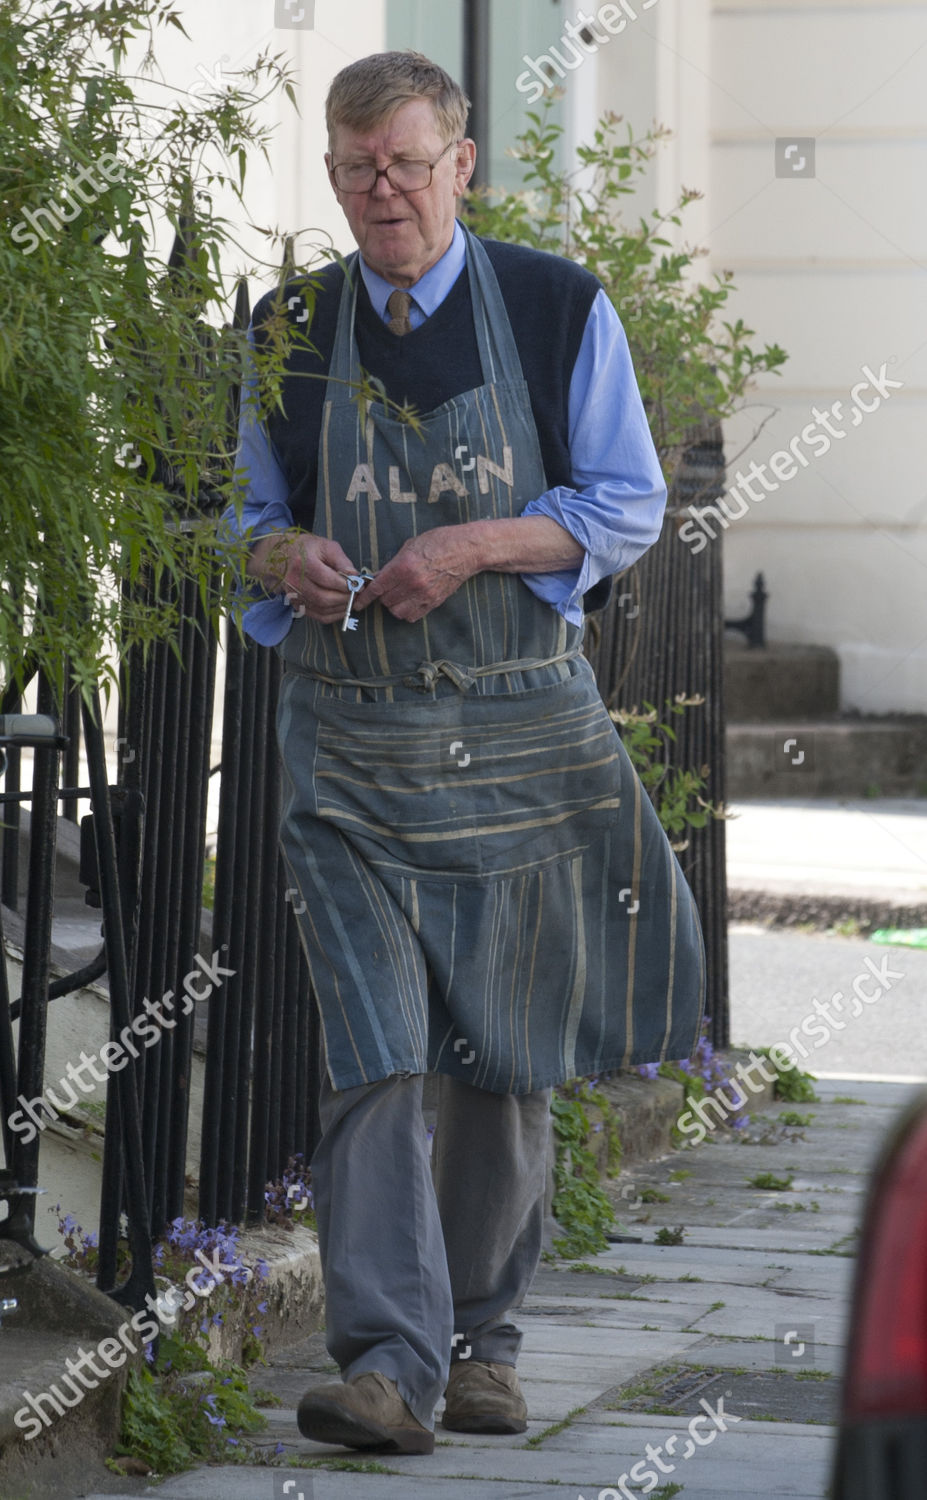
[{"x": 398, "y": 308}]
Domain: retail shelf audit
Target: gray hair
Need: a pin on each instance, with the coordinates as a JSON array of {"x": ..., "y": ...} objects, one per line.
[{"x": 369, "y": 91}]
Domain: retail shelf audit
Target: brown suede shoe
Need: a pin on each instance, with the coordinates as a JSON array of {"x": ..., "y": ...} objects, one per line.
[
  {"x": 483, "y": 1398},
  {"x": 366, "y": 1411}
]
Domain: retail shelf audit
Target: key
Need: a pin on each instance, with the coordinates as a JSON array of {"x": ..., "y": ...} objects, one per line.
[
  {"x": 356, "y": 582},
  {"x": 350, "y": 621}
]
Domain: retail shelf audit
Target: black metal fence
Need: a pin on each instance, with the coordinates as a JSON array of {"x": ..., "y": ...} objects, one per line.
[
  {"x": 142, "y": 857},
  {"x": 662, "y": 636}
]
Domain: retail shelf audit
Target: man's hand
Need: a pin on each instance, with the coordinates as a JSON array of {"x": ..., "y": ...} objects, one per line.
[
  {"x": 306, "y": 569},
  {"x": 426, "y": 570}
]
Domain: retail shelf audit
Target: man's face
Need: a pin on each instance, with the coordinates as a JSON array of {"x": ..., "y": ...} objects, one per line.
[{"x": 402, "y": 234}]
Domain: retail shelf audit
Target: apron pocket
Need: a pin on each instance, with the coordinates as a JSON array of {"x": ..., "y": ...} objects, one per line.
[
  {"x": 548, "y": 782},
  {"x": 471, "y": 787},
  {"x": 396, "y": 789}
]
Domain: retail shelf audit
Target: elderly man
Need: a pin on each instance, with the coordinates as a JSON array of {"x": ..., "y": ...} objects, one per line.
[{"x": 487, "y": 891}]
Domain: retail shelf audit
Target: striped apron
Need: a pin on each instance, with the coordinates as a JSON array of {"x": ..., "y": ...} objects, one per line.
[{"x": 484, "y": 886}]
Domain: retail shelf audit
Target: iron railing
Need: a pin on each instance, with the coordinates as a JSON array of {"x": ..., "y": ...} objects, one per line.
[{"x": 662, "y": 635}]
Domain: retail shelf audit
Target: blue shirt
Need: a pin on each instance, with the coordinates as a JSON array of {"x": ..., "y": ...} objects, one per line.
[{"x": 614, "y": 510}]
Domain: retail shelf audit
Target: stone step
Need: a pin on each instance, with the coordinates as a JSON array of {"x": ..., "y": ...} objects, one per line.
[
  {"x": 59, "y": 1314},
  {"x": 780, "y": 681},
  {"x": 819, "y": 757}
]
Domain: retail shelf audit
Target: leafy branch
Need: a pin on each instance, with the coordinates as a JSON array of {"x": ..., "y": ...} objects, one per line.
[
  {"x": 691, "y": 362},
  {"x": 118, "y": 366},
  {"x": 676, "y": 794}
]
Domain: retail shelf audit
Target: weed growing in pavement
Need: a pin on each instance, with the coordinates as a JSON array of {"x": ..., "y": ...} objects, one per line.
[
  {"x": 792, "y": 1085},
  {"x": 644, "y": 1387},
  {"x": 580, "y": 1206},
  {"x": 849, "y": 927},
  {"x": 769, "y": 1182},
  {"x": 192, "y": 1413},
  {"x": 342, "y": 1465},
  {"x": 670, "y": 1236},
  {"x": 791, "y": 1117},
  {"x": 585, "y": 1267},
  {"x": 186, "y": 1408},
  {"x": 188, "y": 1250},
  {"x": 557, "y": 1427}
]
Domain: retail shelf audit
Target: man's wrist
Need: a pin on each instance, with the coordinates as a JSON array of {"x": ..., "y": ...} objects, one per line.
[
  {"x": 523, "y": 544},
  {"x": 270, "y": 558}
]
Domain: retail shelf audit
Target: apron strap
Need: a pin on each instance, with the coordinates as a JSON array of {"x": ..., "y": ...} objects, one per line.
[
  {"x": 428, "y": 672},
  {"x": 345, "y": 360},
  {"x": 494, "y": 337}
]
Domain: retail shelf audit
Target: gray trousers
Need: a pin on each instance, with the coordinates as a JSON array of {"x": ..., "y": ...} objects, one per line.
[{"x": 423, "y": 1259}]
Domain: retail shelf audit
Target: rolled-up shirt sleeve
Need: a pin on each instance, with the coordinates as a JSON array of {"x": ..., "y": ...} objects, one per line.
[
  {"x": 615, "y": 509},
  {"x": 264, "y": 509}
]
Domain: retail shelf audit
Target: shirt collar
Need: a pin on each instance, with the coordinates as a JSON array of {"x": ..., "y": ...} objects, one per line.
[{"x": 431, "y": 289}]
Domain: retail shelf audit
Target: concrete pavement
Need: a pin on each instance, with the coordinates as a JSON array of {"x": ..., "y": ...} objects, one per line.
[
  {"x": 741, "y": 1325},
  {"x": 875, "y": 849},
  {"x": 785, "y": 982}
]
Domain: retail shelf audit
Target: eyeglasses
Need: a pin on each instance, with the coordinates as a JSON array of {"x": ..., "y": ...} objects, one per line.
[{"x": 404, "y": 176}]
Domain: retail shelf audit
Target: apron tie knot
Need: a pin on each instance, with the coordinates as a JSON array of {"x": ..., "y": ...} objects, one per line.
[{"x": 428, "y": 672}]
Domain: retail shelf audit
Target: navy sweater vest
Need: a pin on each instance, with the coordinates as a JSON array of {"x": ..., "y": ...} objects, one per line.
[{"x": 548, "y": 300}]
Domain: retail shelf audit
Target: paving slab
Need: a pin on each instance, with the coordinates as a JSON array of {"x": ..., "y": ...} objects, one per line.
[{"x": 760, "y": 1354}]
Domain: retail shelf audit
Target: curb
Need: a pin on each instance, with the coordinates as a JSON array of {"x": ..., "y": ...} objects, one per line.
[
  {"x": 646, "y": 1110},
  {"x": 292, "y": 1291},
  {"x": 775, "y": 909}
]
